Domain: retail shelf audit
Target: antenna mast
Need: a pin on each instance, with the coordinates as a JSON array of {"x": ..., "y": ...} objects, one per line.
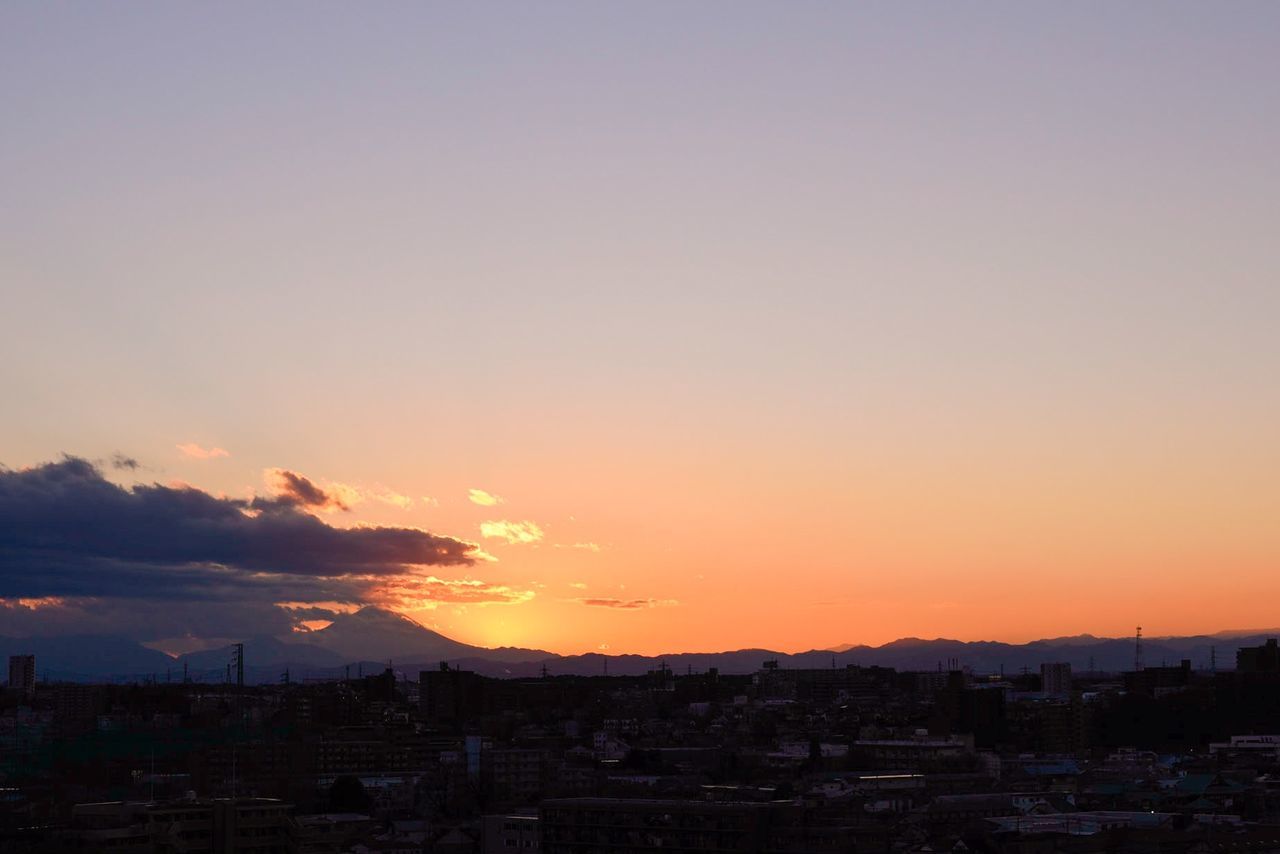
[{"x": 1137, "y": 650}]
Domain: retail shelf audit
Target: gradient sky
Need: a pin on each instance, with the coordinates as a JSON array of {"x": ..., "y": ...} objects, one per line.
[{"x": 806, "y": 323}]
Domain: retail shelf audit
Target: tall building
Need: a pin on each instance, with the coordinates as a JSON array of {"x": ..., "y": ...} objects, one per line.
[
  {"x": 1055, "y": 678},
  {"x": 1259, "y": 659},
  {"x": 450, "y": 696},
  {"x": 22, "y": 673}
]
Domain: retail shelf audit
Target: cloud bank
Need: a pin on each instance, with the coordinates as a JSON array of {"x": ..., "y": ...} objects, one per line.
[{"x": 67, "y": 535}]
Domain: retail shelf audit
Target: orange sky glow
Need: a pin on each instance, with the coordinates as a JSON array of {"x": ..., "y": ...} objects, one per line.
[{"x": 759, "y": 327}]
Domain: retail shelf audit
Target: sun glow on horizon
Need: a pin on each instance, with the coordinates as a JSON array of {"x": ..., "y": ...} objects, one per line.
[{"x": 642, "y": 324}]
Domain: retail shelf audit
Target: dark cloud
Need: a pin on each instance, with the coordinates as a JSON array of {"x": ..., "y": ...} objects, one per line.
[
  {"x": 68, "y": 533},
  {"x": 68, "y": 511},
  {"x": 119, "y": 461},
  {"x": 299, "y": 491},
  {"x": 143, "y": 619}
]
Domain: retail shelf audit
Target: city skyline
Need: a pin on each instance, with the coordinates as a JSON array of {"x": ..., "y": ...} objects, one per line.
[{"x": 636, "y": 329}]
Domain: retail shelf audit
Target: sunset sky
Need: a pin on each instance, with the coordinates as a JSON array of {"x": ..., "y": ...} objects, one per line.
[{"x": 679, "y": 326}]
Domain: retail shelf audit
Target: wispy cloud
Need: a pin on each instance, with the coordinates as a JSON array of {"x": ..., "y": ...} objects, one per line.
[
  {"x": 383, "y": 495},
  {"x": 628, "y": 604},
  {"x": 292, "y": 488},
  {"x": 586, "y": 547},
  {"x": 123, "y": 462},
  {"x": 418, "y": 592},
  {"x": 196, "y": 452},
  {"x": 289, "y": 487},
  {"x": 484, "y": 499},
  {"x": 578, "y": 585},
  {"x": 512, "y": 532}
]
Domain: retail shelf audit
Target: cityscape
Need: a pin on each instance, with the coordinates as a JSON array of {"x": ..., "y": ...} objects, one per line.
[
  {"x": 842, "y": 758},
  {"x": 575, "y": 427}
]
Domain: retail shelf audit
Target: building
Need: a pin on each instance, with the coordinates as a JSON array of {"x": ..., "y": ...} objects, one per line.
[
  {"x": 1259, "y": 659},
  {"x": 260, "y": 825},
  {"x": 450, "y": 696},
  {"x": 1262, "y": 748},
  {"x": 824, "y": 685},
  {"x": 500, "y": 834},
  {"x": 922, "y": 751},
  {"x": 980, "y": 711},
  {"x": 1159, "y": 681},
  {"x": 514, "y": 775},
  {"x": 22, "y": 673},
  {"x": 1055, "y": 678},
  {"x": 331, "y": 833},
  {"x": 634, "y": 824}
]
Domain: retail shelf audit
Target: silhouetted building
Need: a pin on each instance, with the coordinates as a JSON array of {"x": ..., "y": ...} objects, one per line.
[
  {"x": 980, "y": 711},
  {"x": 380, "y": 687},
  {"x": 22, "y": 673},
  {"x": 76, "y": 707},
  {"x": 1055, "y": 678},
  {"x": 450, "y": 696},
  {"x": 824, "y": 685},
  {"x": 1157, "y": 681},
  {"x": 1259, "y": 659}
]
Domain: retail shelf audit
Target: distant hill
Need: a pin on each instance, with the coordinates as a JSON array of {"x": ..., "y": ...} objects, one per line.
[
  {"x": 79, "y": 658},
  {"x": 366, "y": 640},
  {"x": 260, "y": 652}
]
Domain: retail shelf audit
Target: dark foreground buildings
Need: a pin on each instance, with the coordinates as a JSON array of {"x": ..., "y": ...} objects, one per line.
[{"x": 854, "y": 759}]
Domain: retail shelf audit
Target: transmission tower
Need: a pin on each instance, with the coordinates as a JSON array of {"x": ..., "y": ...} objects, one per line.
[{"x": 1137, "y": 650}]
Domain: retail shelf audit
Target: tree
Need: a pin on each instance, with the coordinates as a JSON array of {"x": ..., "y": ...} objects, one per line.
[{"x": 347, "y": 794}]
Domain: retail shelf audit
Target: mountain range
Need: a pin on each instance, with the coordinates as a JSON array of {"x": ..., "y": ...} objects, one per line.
[{"x": 370, "y": 639}]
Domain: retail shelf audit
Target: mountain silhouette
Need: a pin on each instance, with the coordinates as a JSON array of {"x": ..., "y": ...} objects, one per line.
[
  {"x": 376, "y": 634},
  {"x": 367, "y": 639}
]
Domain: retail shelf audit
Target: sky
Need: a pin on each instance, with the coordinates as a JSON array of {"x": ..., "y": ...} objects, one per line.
[{"x": 640, "y": 327}]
